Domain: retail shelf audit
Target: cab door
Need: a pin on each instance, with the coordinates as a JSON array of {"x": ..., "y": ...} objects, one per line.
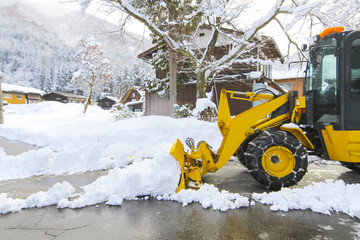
[{"x": 352, "y": 82}]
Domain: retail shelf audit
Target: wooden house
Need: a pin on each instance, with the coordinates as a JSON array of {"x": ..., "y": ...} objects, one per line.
[
  {"x": 133, "y": 99},
  {"x": 64, "y": 97},
  {"x": 156, "y": 105},
  {"x": 15, "y": 94},
  {"x": 237, "y": 77},
  {"x": 107, "y": 102}
]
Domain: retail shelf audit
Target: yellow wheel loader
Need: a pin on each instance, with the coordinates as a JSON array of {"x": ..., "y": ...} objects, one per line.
[{"x": 273, "y": 139}]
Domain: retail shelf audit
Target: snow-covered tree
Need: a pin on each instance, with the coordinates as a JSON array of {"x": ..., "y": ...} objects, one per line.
[
  {"x": 95, "y": 69},
  {"x": 178, "y": 22},
  {"x": 138, "y": 73},
  {"x": 37, "y": 59}
]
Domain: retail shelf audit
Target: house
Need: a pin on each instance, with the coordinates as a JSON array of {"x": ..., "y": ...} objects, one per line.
[
  {"x": 107, "y": 102},
  {"x": 133, "y": 99},
  {"x": 157, "y": 105},
  {"x": 64, "y": 97},
  {"x": 291, "y": 79},
  {"x": 237, "y": 77},
  {"x": 15, "y": 94},
  {"x": 292, "y": 84}
]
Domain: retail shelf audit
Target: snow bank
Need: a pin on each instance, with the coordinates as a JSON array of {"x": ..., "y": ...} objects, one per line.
[
  {"x": 156, "y": 176},
  {"x": 136, "y": 153},
  {"x": 135, "y": 150},
  {"x": 209, "y": 196},
  {"x": 40, "y": 199},
  {"x": 323, "y": 197},
  {"x": 72, "y": 142}
]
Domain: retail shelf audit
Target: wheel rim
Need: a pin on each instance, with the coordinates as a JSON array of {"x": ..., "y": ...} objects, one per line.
[{"x": 278, "y": 161}]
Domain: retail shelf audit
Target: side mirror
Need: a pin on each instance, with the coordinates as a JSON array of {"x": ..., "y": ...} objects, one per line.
[{"x": 304, "y": 47}]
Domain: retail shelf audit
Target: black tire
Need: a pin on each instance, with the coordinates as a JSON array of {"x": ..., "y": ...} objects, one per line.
[
  {"x": 240, "y": 153},
  {"x": 276, "y": 159},
  {"x": 352, "y": 166}
]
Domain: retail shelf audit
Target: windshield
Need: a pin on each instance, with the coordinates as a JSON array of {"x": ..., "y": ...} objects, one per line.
[{"x": 321, "y": 77}]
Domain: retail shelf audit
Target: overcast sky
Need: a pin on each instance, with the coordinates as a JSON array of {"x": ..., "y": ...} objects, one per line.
[{"x": 57, "y": 8}]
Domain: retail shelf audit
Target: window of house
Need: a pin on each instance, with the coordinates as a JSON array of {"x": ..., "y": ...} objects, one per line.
[
  {"x": 7, "y": 96},
  {"x": 133, "y": 94},
  {"x": 202, "y": 34},
  {"x": 286, "y": 85},
  {"x": 19, "y": 96},
  {"x": 133, "y": 100}
]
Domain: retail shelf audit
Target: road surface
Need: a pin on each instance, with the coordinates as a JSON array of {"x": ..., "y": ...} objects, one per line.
[{"x": 153, "y": 219}]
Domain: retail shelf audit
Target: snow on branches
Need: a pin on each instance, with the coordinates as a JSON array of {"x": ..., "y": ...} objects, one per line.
[
  {"x": 231, "y": 23},
  {"x": 95, "y": 69}
]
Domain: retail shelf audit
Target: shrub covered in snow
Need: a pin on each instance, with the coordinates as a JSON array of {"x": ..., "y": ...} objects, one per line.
[
  {"x": 205, "y": 110},
  {"x": 122, "y": 112},
  {"x": 183, "y": 111}
]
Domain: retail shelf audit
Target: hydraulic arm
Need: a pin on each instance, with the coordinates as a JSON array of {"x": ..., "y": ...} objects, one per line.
[{"x": 235, "y": 130}]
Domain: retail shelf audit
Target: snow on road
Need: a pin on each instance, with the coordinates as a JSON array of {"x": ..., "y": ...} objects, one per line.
[
  {"x": 324, "y": 197},
  {"x": 135, "y": 151}
]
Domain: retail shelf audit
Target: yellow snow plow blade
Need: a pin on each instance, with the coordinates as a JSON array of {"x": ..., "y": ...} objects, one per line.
[
  {"x": 178, "y": 152},
  {"x": 193, "y": 165}
]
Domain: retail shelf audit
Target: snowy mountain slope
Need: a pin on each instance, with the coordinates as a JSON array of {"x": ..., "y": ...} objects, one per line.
[
  {"x": 70, "y": 25},
  {"x": 37, "y": 43}
]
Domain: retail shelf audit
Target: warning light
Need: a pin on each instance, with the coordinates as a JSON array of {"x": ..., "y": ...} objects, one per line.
[{"x": 330, "y": 31}]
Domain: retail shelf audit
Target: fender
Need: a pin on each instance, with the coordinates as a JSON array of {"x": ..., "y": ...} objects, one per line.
[{"x": 298, "y": 133}]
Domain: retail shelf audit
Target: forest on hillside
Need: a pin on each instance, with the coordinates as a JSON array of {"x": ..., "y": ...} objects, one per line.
[{"x": 32, "y": 56}]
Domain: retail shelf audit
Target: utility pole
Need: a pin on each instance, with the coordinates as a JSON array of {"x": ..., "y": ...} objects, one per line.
[
  {"x": 1, "y": 103},
  {"x": 173, "y": 77}
]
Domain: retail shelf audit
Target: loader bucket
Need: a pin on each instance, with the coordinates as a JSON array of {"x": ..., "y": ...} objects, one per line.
[{"x": 178, "y": 152}]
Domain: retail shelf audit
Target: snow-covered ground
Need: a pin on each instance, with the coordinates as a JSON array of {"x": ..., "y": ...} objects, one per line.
[{"x": 135, "y": 152}]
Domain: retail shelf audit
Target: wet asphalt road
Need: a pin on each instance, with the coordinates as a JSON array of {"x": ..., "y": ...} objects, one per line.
[
  {"x": 153, "y": 219},
  {"x": 14, "y": 147}
]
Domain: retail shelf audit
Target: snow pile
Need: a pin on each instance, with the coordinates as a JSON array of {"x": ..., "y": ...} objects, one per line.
[
  {"x": 40, "y": 199},
  {"x": 72, "y": 142},
  {"x": 135, "y": 150},
  {"x": 202, "y": 104},
  {"x": 152, "y": 177},
  {"x": 209, "y": 196},
  {"x": 322, "y": 197}
]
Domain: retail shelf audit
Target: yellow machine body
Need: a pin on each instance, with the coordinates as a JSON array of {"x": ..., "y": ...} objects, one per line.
[
  {"x": 275, "y": 153},
  {"x": 342, "y": 145},
  {"x": 235, "y": 130}
]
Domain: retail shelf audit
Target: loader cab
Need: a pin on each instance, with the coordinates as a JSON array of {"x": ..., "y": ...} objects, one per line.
[{"x": 332, "y": 83}]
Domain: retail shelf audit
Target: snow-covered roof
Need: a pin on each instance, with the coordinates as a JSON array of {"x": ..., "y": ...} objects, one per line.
[
  {"x": 20, "y": 89},
  {"x": 134, "y": 103},
  {"x": 69, "y": 95},
  {"x": 113, "y": 98},
  {"x": 135, "y": 88},
  {"x": 282, "y": 71}
]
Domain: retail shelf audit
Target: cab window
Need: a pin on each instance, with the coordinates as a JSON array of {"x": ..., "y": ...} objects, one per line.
[{"x": 355, "y": 70}]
